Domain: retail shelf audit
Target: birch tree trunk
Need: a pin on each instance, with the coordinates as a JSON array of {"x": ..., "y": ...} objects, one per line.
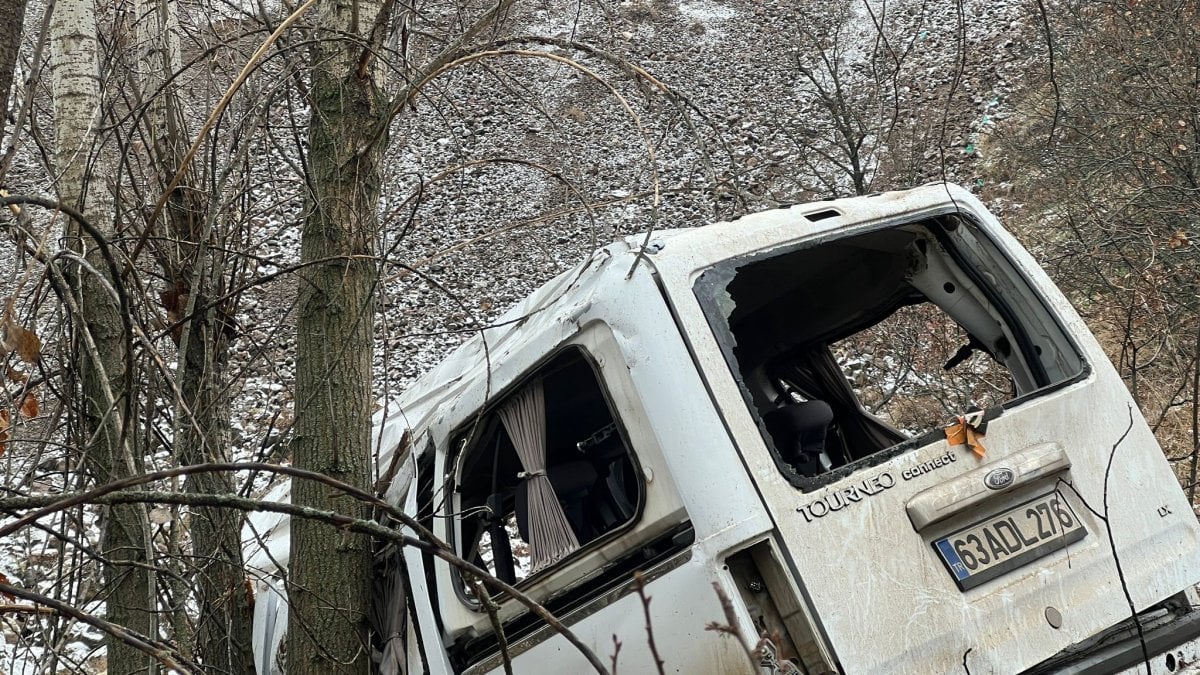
[
  {"x": 193, "y": 270},
  {"x": 329, "y": 569},
  {"x": 12, "y": 13},
  {"x": 79, "y": 153}
]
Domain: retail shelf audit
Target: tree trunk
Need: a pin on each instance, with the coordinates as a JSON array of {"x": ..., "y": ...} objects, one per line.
[
  {"x": 223, "y": 631},
  {"x": 329, "y": 569},
  {"x": 193, "y": 271},
  {"x": 13, "y": 12},
  {"x": 128, "y": 591}
]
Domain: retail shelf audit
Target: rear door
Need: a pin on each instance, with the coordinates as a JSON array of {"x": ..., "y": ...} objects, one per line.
[{"x": 924, "y": 556}]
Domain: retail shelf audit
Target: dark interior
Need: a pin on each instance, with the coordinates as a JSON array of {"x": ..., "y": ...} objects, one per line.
[
  {"x": 818, "y": 294},
  {"x": 782, "y": 310},
  {"x": 587, "y": 462},
  {"x": 787, "y": 310}
]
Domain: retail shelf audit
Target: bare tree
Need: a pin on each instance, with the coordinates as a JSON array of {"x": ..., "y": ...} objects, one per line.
[
  {"x": 101, "y": 339},
  {"x": 347, "y": 134},
  {"x": 1106, "y": 157},
  {"x": 13, "y": 12},
  {"x": 194, "y": 269}
]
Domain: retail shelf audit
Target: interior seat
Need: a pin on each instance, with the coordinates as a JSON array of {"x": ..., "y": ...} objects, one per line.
[{"x": 799, "y": 431}]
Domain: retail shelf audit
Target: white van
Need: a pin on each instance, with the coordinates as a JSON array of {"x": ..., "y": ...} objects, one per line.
[{"x": 873, "y": 425}]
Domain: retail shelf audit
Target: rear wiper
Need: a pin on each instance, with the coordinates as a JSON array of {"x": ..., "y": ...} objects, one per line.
[{"x": 964, "y": 352}]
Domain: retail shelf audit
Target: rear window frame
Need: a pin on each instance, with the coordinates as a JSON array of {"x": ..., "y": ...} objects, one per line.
[{"x": 711, "y": 283}]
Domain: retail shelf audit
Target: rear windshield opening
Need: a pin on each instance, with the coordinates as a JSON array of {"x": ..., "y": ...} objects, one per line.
[{"x": 846, "y": 348}]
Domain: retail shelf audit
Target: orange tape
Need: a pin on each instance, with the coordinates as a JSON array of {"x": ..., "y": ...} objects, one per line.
[{"x": 962, "y": 433}]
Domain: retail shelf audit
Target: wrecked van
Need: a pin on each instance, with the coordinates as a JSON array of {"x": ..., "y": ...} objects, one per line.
[{"x": 870, "y": 433}]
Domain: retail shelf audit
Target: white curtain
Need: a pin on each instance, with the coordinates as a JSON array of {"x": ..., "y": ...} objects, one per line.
[{"x": 550, "y": 535}]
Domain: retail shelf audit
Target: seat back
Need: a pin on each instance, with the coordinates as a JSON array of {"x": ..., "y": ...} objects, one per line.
[{"x": 798, "y": 430}]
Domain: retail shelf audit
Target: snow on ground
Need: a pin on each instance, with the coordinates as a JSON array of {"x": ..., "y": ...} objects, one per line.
[{"x": 546, "y": 143}]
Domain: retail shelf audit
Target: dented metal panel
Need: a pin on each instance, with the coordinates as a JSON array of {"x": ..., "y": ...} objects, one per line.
[
  {"x": 882, "y": 597},
  {"x": 848, "y": 564},
  {"x": 691, "y": 470}
]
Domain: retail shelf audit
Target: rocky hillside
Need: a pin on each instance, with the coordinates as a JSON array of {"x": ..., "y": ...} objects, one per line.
[
  {"x": 741, "y": 106},
  {"x": 586, "y": 122}
]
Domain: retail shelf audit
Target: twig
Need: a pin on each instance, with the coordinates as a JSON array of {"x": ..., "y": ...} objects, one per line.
[
  {"x": 491, "y": 608},
  {"x": 1195, "y": 424},
  {"x": 616, "y": 652},
  {"x": 158, "y": 651},
  {"x": 1053, "y": 80},
  {"x": 427, "y": 542},
  {"x": 1103, "y": 516},
  {"x": 959, "y": 70},
  {"x": 639, "y": 583},
  {"x": 443, "y": 57},
  {"x": 54, "y": 503},
  {"x": 26, "y": 609},
  {"x": 216, "y": 114},
  {"x": 651, "y": 159},
  {"x": 730, "y": 627},
  {"x": 31, "y": 82}
]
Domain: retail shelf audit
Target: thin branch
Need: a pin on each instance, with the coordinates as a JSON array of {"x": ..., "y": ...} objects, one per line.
[
  {"x": 639, "y": 583},
  {"x": 492, "y": 610},
  {"x": 216, "y": 114},
  {"x": 1137, "y": 622},
  {"x": 160, "y": 652},
  {"x": 115, "y": 493},
  {"x": 616, "y": 653},
  {"x": 1195, "y": 464},
  {"x": 730, "y": 627},
  {"x": 1053, "y": 80},
  {"x": 26, "y": 609}
]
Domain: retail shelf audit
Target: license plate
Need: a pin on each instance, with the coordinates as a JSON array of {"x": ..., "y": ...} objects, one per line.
[{"x": 1002, "y": 543}]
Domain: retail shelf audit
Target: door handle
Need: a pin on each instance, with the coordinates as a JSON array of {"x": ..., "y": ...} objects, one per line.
[{"x": 958, "y": 494}]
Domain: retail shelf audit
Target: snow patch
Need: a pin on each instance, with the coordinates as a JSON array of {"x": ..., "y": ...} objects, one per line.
[{"x": 711, "y": 15}]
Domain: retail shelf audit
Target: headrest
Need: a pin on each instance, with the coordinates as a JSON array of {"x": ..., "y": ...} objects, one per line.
[{"x": 789, "y": 422}]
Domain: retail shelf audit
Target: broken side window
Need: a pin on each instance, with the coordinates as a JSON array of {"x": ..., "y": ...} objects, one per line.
[
  {"x": 545, "y": 472},
  {"x": 849, "y": 347}
]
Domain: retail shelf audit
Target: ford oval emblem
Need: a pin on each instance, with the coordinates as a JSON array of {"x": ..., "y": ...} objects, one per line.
[{"x": 998, "y": 479}]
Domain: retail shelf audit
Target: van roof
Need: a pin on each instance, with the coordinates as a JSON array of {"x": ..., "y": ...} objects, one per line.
[{"x": 467, "y": 366}]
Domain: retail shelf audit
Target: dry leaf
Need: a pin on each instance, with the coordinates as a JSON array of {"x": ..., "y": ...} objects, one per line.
[
  {"x": 29, "y": 405},
  {"x": 24, "y": 342},
  {"x": 4, "y": 579},
  {"x": 16, "y": 376},
  {"x": 5, "y": 423},
  {"x": 16, "y": 209},
  {"x": 18, "y": 338}
]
